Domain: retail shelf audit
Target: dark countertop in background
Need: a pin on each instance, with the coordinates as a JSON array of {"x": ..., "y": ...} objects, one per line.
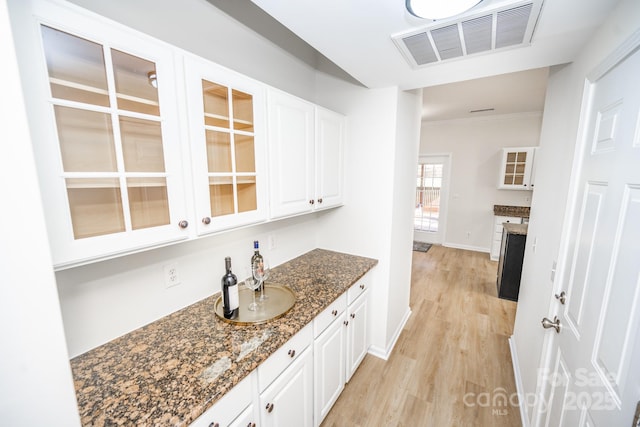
[
  {"x": 171, "y": 371},
  {"x": 502, "y": 210},
  {"x": 516, "y": 228}
]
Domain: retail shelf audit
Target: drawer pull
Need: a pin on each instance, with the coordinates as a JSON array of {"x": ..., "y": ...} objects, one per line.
[
  {"x": 251, "y": 425},
  {"x": 311, "y": 202},
  {"x": 353, "y": 315},
  {"x": 292, "y": 353},
  {"x": 346, "y": 323},
  {"x": 334, "y": 312},
  {"x": 320, "y": 200},
  {"x": 214, "y": 424},
  {"x": 269, "y": 407},
  {"x": 362, "y": 286},
  {"x": 206, "y": 220}
]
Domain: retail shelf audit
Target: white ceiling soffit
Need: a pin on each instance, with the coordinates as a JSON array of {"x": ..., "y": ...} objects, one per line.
[{"x": 506, "y": 27}]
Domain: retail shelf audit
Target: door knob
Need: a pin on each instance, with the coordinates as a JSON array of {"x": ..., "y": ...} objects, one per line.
[
  {"x": 555, "y": 324},
  {"x": 562, "y": 297}
]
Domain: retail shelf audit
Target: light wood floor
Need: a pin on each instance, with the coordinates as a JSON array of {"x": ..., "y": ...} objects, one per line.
[{"x": 451, "y": 365}]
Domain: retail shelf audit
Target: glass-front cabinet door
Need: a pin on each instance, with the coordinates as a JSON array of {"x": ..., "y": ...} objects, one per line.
[
  {"x": 227, "y": 128},
  {"x": 111, "y": 161}
]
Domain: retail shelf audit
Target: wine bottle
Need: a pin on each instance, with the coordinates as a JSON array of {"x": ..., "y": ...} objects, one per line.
[
  {"x": 230, "y": 296},
  {"x": 256, "y": 258}
]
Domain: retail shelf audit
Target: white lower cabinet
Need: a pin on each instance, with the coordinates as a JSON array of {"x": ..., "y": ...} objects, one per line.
[
  {"x": 329, "y": 358},
  {"x": 357, "y": 336},
  {"x": 247, "y": 418},
  {"x": 234, "y": 406},
  {"x": 288, "y": 401},
  {"x": 342, "y": 341},
  {"x": 299, "y": 383},
  {"x": 497, "y": 234}
]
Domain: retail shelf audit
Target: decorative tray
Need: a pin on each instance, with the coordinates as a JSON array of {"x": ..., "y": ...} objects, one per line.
[{"x": 280, "y": 300}]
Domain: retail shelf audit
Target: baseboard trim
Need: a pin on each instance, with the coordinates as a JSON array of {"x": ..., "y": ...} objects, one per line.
[
  {"x": 466, "y": 247},
  {"x": 519, "y": 387},
  {"x": 385, "y": 353}
]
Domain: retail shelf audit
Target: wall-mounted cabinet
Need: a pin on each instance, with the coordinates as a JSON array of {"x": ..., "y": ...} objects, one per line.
[
  {"x": 107, "y": 141},
  {"x": 140, "y": 144},
  {"x": 306, "y": 144},
  {"x": 516, "y": 169},
  {"x": 227, "y": 132}
]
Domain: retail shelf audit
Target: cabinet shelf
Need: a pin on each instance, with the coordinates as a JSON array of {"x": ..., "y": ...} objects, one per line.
[{"x": 99, "y": 91}]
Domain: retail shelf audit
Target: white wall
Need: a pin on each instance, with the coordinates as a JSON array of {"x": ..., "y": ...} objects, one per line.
[
  {"x": 475, "y": 146},
  {"x": 36, "y": 387},
  {"x": 376, "y": 220},
  {"x": 557, "y": 144}
]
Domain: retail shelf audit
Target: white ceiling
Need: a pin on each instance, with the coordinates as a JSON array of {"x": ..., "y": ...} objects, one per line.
[
  {"x": 356, "y": 36},
  {"x": 513, "y": 93}
]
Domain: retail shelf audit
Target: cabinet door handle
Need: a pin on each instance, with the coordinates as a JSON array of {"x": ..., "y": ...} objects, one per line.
[
  {"x": 292, "y": 353},
  {"x": 346, "y": 323},
  {"x": 311, "y": 202},
  {"x": 320, "y": 200},
  {"x": 183, "y": 224},
  {"x": 362, "y": 286},
  {"x": 353, "y": 315},
  {"x": 214, "y": 424},
  {"x": 251, "y": 425},
  {"x": 269, "y": 407},
  {"x": 334, "y": 312},
  {"x": 206, "y": 220}
]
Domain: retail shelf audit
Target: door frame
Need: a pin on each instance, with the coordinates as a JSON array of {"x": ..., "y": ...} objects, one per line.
[
  {"x": 437, "y": 237},
  {"x": 611, "y": 61}
]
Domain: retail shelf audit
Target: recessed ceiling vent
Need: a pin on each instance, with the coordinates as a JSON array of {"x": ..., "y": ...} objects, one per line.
[{"x": 506, "y": 27}]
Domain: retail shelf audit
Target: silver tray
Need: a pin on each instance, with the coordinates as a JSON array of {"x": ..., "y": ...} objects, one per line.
[{"x": 281, "y": 300}]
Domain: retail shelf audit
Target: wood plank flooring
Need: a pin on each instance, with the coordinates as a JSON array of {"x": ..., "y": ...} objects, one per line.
[{"x": 451, "y": 365}]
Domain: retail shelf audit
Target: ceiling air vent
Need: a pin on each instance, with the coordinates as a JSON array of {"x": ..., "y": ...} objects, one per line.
[{"x": 507, "y": 26}]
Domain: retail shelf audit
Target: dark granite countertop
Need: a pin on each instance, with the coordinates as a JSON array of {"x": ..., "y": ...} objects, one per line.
[
  {"x": 171, "y": 371},
  {"x": 503, "y": 210},
  {"x": 516, "y": 228}
]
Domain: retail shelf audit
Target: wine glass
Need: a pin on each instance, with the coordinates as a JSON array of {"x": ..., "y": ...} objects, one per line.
[
  {"x": 253, "y": 284},
  {"x": 261, "y": 272}
]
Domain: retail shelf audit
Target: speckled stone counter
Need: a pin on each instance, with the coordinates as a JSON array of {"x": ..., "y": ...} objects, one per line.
[
  {"x": 516, "y": 228},
  {"x": 503, "y": 210},
  {"x": 171, "y": 371}
]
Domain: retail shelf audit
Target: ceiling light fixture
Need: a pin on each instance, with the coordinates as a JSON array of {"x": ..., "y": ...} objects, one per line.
[{"x": 439, "y": 9}]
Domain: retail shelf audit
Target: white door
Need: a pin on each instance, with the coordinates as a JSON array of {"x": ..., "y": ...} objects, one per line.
[
  {"x": 594, "y": 362},
  {"x": 432, "y": 181}
]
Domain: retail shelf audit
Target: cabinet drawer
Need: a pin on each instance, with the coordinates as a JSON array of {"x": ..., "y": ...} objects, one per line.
[
  {"x": 284, "y": 356},
  {"x": 358, "y": 289},
  {"x": 227, "y": 409},
  {"x": 329, "y": 314}
]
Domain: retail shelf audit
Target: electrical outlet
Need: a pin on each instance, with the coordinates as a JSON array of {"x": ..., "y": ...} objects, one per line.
[
  {"x": 171, "y": 277},
  {"x": 271, "y": 242}
]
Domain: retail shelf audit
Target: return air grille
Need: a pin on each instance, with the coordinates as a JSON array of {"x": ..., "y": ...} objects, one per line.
[{"x": 508, "y": 26}]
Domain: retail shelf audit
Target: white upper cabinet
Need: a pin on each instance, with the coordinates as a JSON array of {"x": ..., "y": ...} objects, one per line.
[
  {"x": 107, "y": 141},
  {"x": 140, "y": 144},
  {"x": 516, "y": 169},
  {"x": 306, "y": 145},
  {"x": 329, "y": 151},
  {"x": 227, "y": 132}
]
